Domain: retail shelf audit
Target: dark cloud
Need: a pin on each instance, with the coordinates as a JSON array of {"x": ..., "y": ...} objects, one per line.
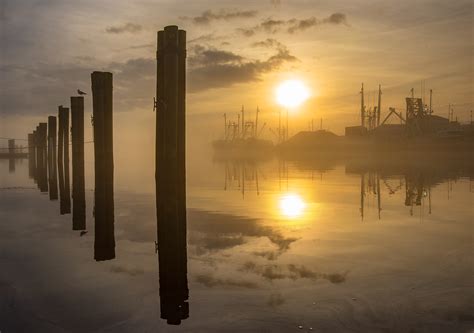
[
  {"x": 268, "y": 43},
  {"x": 211, "y": 282},
  {"x": 293, "y": 25},
  {"x": 127, "y": 27},
  {"x": 271, "y": 25},
  {"x": 301, "y": 25},
  {"x": 212, "y": 68},
  {"x": 208, "y": 16},
  {"x": 203, "y": 56}
]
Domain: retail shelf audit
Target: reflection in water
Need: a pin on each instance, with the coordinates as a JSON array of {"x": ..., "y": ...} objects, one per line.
[
  {"x": 172, "y": 255},
  {"x": 390, "y": 176},
  {"x": 241, "y": 174},
  {"x": 11, "y": 165},
  {"x": 292, "y": 205}
]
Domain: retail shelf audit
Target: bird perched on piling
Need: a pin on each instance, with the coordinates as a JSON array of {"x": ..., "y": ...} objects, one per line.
[{"x": 80, "y": 92}]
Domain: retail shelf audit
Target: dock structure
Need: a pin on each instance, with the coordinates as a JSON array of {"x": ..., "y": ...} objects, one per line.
[
  {"x": 78, "y": 181},
  {"x": 102, "y": 101},
  {"x": 170, "y": 174}
]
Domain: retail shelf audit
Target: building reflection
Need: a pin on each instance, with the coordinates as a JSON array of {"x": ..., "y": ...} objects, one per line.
[{"x": 379, "y": 180}]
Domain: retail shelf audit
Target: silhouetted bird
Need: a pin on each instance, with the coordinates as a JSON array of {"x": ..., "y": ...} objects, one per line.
[
  {"x": 80, "y": 92},
  {"x": 83, "y": 233}
]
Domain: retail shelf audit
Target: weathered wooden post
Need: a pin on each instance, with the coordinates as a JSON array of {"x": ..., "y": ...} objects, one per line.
[
  {"x": 42, "y": 158},
  {"x": 78, "y": 183},
  {"x": 11, "y": 153},
  {"x": 102, "y": 102},
  {"x": 37, "y": 150},
  {"x": 11, "y": 147},
  {"x": 170, "y": 174},
  {"x": 31, "y": 156},
  {"x": 52, "y": 169},
  {"x": 63, "y": 160}
]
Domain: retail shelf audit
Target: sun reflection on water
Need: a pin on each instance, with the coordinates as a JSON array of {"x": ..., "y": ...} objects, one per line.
[{"x": 292, "y": 205}]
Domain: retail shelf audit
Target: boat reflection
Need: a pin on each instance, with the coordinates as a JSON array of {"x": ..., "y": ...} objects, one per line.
[{"x": 292, "y": 189}]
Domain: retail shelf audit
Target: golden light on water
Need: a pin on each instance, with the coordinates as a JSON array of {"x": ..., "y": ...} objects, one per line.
[
  {"x": 292, "y": 205},
  {"x": 292, "y": 93}
]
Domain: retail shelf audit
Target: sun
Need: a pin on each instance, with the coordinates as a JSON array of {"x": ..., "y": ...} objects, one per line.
[
  {"x": 292, "y": 205},
  {"x": 291, "y": 93}
]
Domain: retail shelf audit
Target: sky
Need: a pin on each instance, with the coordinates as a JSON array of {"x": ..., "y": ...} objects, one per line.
[{"x": 237, "y": 54}]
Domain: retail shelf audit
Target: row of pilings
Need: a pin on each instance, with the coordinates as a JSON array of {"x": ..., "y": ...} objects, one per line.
[
  {"x": 170, "y": 172},
  {"x": 48, "y": 156}
]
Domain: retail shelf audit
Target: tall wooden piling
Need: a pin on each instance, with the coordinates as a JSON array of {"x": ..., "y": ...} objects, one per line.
[
  {"x": 31, "y": 155},
  {"x": 63, "y": 160},
  {"x": 32, "y": 159},
  {"x": 42, "y": 157},
  {"x": 52, "y": 169},
  {"x": 170, "y": 173},
  {"x": 11, "y": 153},
  {"x": 102, "y": 101},
  {"x": 78, "y": 183}
]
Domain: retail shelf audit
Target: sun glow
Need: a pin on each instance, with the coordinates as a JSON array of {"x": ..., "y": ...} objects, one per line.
[
  {"x": 292, "y": 205},
  {"x": 291, "y": 93}
]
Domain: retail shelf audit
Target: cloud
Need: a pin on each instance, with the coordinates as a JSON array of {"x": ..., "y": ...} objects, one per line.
[
  {"x": 127, "y": 27},
  {"x": 213, "y": 68},
  {"x": 208, "y": 16},
  {"x": 210, "y": 56},
  {"x": 211, "y": 282},
  {"x": 268, "y": 43},
  {"x": 301, "y": 25},
  {"x": 273, "y": 26}
]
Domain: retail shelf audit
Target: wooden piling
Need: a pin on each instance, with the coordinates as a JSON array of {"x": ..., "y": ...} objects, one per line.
[
  {"x": 63, "y": 160},
  {"x": 102, "y": 101},
  {"x": 31, "y": 157},
  {"x": 170, "y": 174},
  {"x": 52, "y": 169},
  {"x": 33, "y": 154},
  {"x": 78, "y": 182},
  {"x": 42, "y": 157},
  {"x": 11, "y": 153}
]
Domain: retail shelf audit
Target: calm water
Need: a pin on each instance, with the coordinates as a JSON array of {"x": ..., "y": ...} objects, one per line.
[{"x": 273, "y": 246}]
